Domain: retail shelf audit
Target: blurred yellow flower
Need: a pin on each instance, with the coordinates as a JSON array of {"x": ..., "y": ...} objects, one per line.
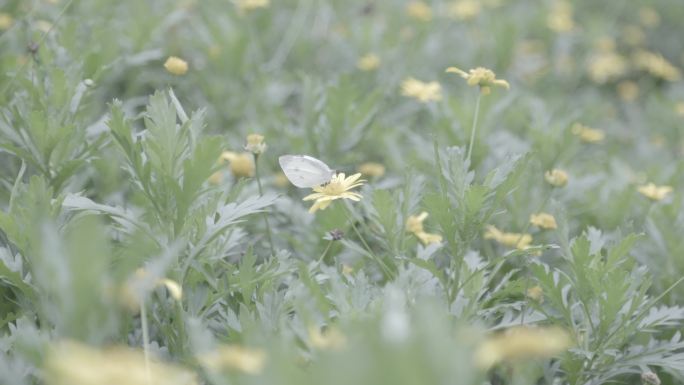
[
  {"x": 559, "y": 18},
  {"x": 679, "y": 108},
  {"x": 216, "y": 178},
  {"x": 72, "y": 363},
  {"x": 346, "y": 269},
  {"x": 628, "y": 90},
  {"x": 43, "y": 26},
  {"x": 517, "y": 240},
  {"x": 521, "y": 343},
  {"x": 424, "y": 92},
  {"x": 6, "y": 21},
  {"x": 241, "y": 165},
  {"x": 368, "y": 62},
  {"x": 255, "y": 144},
  {"x": 536, "y": 294},
  {"x": 419, "y": 10},
  {"x": 244, "y": 6},
  {"x": 234, "y": 357},
  {"x": 556, "y": 177},
  {"x": 544, "y": 221},
  {"x": 605, "y": 66},
  {"x": 480, "y": 76},
  {"x": 587, "y": 134},
  {"x": 337, "y": 188},
  {"x": 173, "y": 287},
  {"x": 414, "y": 225},
  {"x": 653, "y": 192},
  {"x": 371, "y": 169},
  {"x": 649, "y": 17},
  {"x": 176, "y": 65},
  {"x": 464, "y": 9},
  {"x": 131, "y": 293},
  {"x": 633, "y": 35},
  {"x": 656, "y": 65},
  {"x": 330, "y": 339},
  {"x": 280, "y": 180}
]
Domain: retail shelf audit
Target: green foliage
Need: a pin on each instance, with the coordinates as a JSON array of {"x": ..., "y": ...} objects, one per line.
[{"x": 126, "y": 220}]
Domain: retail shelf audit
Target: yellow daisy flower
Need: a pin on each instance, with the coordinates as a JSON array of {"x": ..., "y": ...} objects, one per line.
[
  {"x": 464, "y": 9},
  {"x": 520, "y": 343},
  {"x": 337, "y": 188},
  {"x": 176, "y": 65},
  {"x": 371, "y": 169},
  {"x": 517, "y": 240},
  {"x": 234, "y": 357},
  {"x": 330, "y": 339},
  {"x": 72, "y": 363},
  {"x": 556, "y": 177},
  {"x": 543, "y": 221},
  {"x": 255, "y": 144},
  {"x": 653, "y": 192},
  {"x": 414, "y": 225},
  {"x": 656, "y": 65},
  {"x": 560, "y": 18},
  {"x": 419, "y": 10},
  {"x": 368, "y": 62},
  {"x": 587, "y": 134},
  {"x": 536, "y": 293},
  {"x": 241, "y": 165},
  {"x": 482, "y": 77},
  {"x": 424, "y": 92},
  {"x": 244, "y": 6}
]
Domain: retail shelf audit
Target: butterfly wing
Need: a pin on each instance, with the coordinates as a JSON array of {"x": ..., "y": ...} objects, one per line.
[{"x": 305, "y": 171}]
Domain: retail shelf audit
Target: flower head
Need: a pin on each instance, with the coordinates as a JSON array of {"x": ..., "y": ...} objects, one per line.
[
  {"x": 241, "y": 165},
  {"x": 656, "y": 65},
  {"x": 520, "y": 343},
  {"x": 628, "y": 90},
  {"x": 234, "y": 357},
  {"x": 517, "y": 240},
  {"x": 255, "y": 144},
  {"x": 605, "y": 66},
  {"x": 71, "y": 363},
  {"x": 653, "y": 192},
  {"x": 544, "y": 221},
  {"x": 424, "y": 92},
  {"x": 482, "y": 77},
  {"x": 649, "y": 17},
  {"x": 6, "y": 21},
  {"x": 372, "y": 169},
  {"x": 587, "y": 134},
  {"x": 679, "y": 109},
  {"x": 176, "y": 65},
  {"x": 337, "y": 188},
  {"x": 556, "y": 177},
  {"x": 419, "y": 10},
  {"x": 559, "y": 18},
  {"x": 330, "y": 339},
  {"x": 414, "y": 225},
  {"x": 244, "y": 6},
  {"x": 536, "y": 293},
  {"x": 368, "y": 62},
  {"x": 464, "y": 9}
]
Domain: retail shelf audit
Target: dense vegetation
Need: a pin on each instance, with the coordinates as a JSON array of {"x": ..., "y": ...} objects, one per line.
[{"x": 517, "y": 218}]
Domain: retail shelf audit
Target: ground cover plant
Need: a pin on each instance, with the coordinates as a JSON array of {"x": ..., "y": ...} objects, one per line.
[{"x": 506, "y": 204}]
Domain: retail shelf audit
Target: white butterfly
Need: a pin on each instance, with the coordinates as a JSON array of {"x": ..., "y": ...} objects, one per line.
[{"x": 305, "y": 171}]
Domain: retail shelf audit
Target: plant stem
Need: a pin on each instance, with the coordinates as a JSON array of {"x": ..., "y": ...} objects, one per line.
[
  {"x": 527, "y": 271},
  {"x": 265, "y": 214},
  {"x": 473, "y": 129},
  {"x": 325, "y": 252},
  {"x": 365, "y": 244},
  {"x": 146, "y": 339}
]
